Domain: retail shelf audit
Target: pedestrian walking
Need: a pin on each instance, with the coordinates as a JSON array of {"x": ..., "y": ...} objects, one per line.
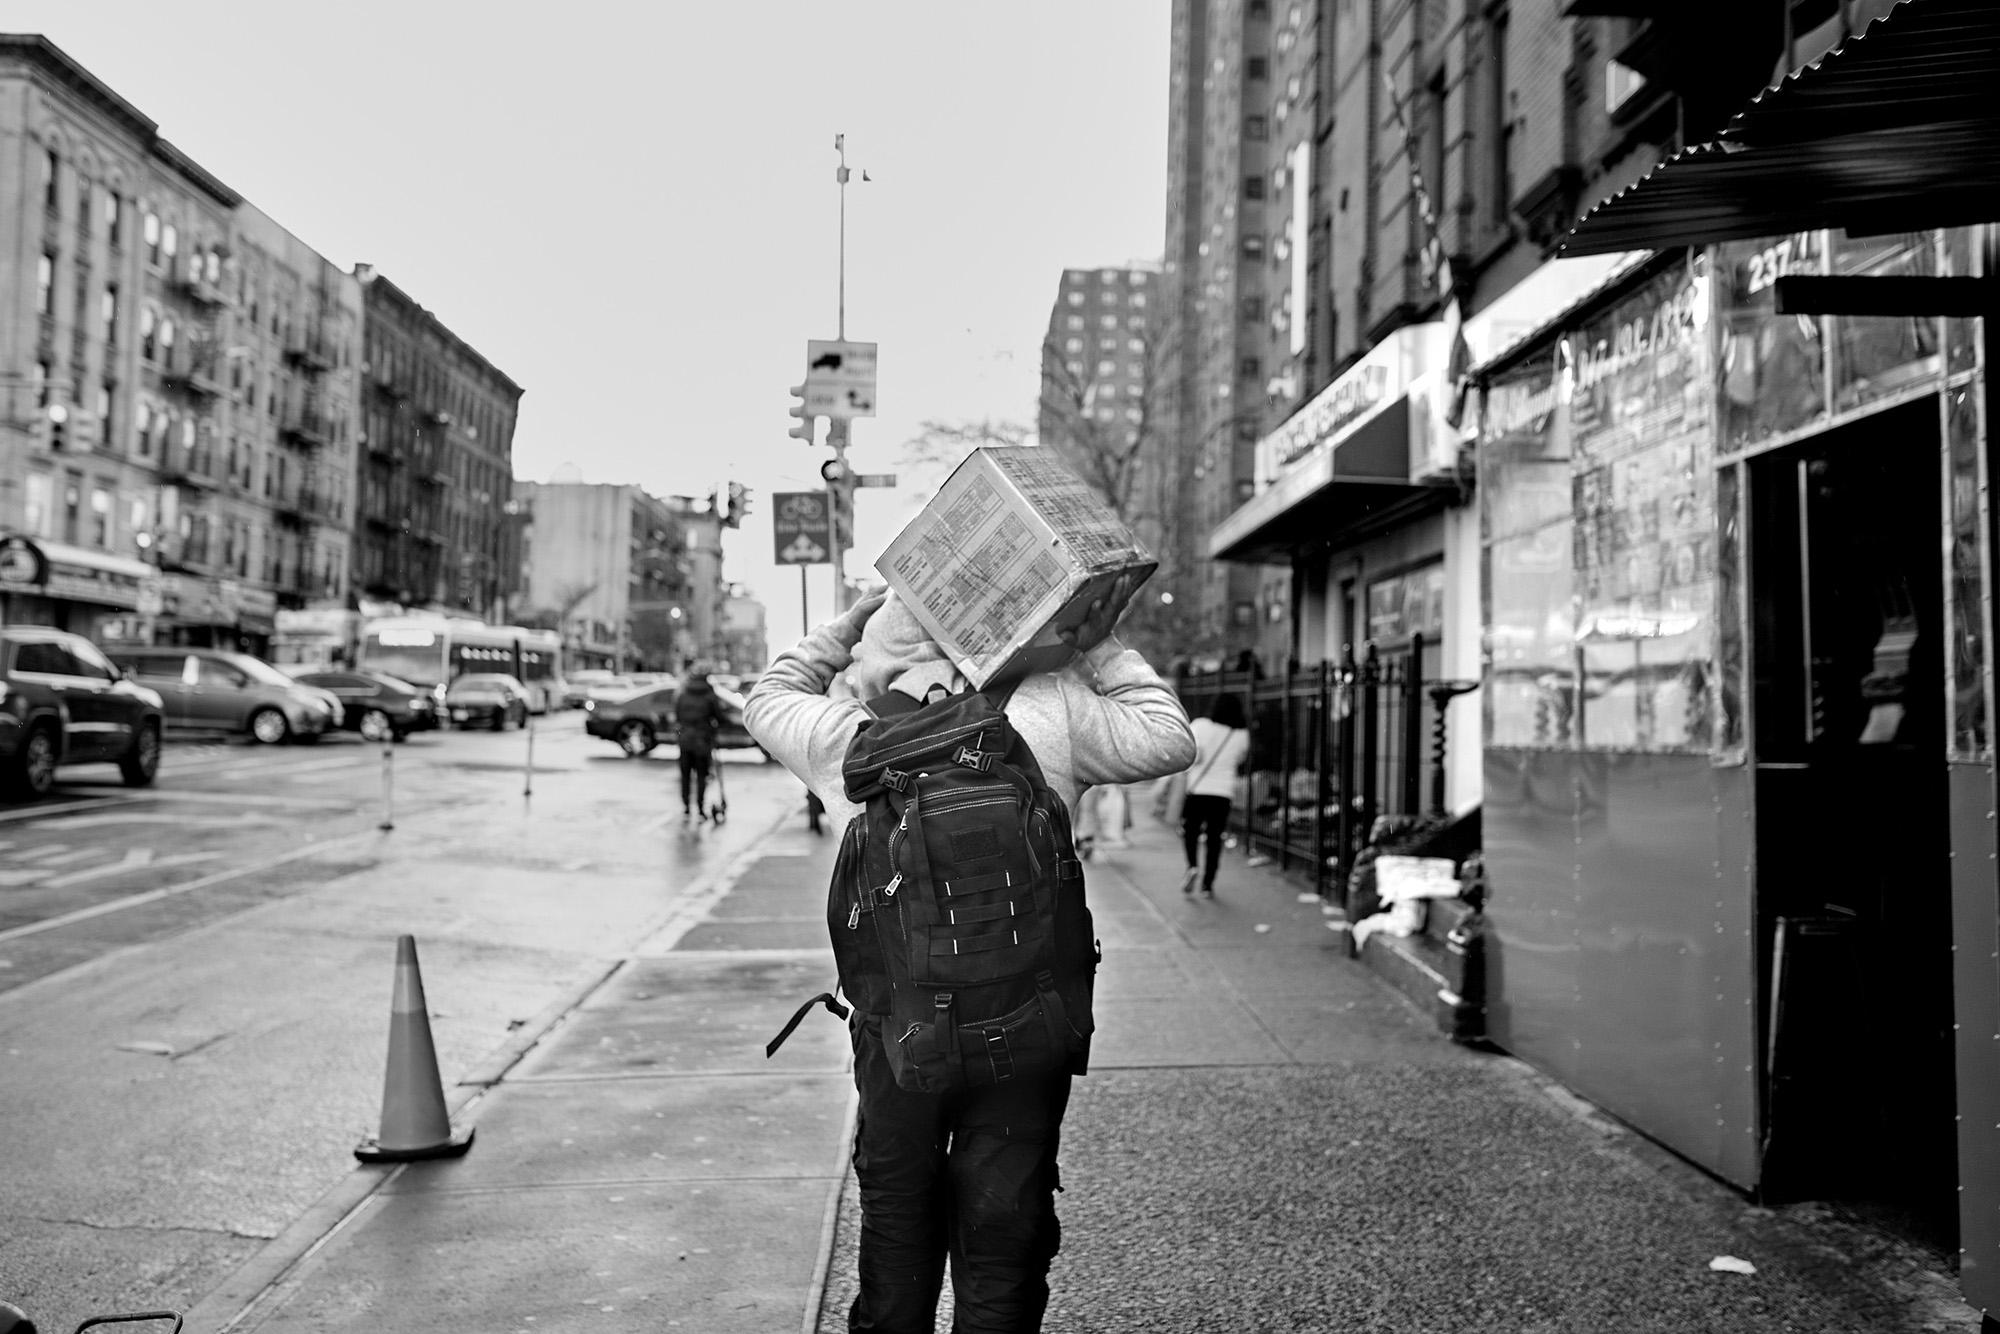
[
  {"x": 698, "y": 719},
  {"x": 1222, "y": 752},
  {"x": 970, "y": 1174}
]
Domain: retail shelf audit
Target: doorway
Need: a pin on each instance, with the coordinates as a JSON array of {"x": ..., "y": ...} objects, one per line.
[{"x": 1848, "y": 740}]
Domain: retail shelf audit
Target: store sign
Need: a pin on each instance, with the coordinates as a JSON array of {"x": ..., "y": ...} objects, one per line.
[
  {"x": 85, "y": 583},
  {"x": 1407, "y": 604},
  {"x": 1388, "y": 371}
]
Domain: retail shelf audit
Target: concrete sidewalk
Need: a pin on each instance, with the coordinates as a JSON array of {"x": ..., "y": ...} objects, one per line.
[{"x": 1271, "y": 1138}]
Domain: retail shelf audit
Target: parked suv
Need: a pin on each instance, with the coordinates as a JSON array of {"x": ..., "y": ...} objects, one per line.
[
  {"x": 213, "y": 688},
  {"x": 63, "y": 702}
]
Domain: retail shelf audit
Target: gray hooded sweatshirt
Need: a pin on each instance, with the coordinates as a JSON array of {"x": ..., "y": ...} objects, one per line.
[{"x": 1105, "y": 718}]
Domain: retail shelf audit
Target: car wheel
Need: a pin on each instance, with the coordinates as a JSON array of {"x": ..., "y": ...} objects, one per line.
[
  {"x": 375, "y": 726},
  {"x": 34, "y": 774},
  {"x": 635, "y": 738},
  {"x": 269, "y": 727},
  {"x": 139, "y": 767},
  {"x": 499, "y": 723}
]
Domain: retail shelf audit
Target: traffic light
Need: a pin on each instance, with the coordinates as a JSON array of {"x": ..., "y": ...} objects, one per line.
[
  {"x": 807, "y": 423},
  {"x": 739, "y": 505},
  {"x": 833, "y": 472},
  {"x": 58, "y": 427}
]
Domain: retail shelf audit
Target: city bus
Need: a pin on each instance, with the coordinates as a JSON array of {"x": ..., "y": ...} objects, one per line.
[{"x": 433, "y": 651}]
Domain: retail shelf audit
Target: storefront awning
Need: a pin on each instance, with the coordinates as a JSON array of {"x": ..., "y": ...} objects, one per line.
[
  {"x": 1358, "y": 452},
  {"x": 1895, "y": 129},
  {"x": 1347, "y": 491}
]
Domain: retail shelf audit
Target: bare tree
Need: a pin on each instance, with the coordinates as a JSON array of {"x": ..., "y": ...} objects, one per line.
[{"x": 568, "y": 598}]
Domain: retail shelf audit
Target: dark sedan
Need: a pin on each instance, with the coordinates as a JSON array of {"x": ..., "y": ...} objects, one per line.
[
  {"x": 480, "y": 700},
  {"x": 644, "y": 719},
  {"x": 637, "y": 721},
  {"x": 377, "y": 705}
]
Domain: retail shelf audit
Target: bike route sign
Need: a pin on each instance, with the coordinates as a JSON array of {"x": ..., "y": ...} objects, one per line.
[{"x": 801, "y": 528}]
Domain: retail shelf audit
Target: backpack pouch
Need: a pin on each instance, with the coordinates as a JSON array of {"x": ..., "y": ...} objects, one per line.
[{"x": 1029, "y": 1042}]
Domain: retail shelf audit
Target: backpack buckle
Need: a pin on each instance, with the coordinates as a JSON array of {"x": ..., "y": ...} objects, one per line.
[
  {"x": 981, "y": 760},
  {"x": 898, "y": 779}
]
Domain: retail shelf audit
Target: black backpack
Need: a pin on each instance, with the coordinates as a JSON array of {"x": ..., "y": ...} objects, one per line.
[{"x": 957, "y": 907}]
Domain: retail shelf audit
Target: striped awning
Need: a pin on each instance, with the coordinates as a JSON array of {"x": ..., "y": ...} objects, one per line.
[{"x": 1895, "y": 129}]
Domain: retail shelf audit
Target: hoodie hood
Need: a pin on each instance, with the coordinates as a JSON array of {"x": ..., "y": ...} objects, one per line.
[{"x": 893, "y": 642}]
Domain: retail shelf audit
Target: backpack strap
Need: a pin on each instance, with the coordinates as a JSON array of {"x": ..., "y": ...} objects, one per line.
[{"x": 825, "y": 998}]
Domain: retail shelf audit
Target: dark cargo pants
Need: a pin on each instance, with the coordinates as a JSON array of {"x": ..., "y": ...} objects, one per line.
[{"x": 972, "y": 1175}]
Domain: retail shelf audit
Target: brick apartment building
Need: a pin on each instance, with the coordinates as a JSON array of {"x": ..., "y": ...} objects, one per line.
[{"x": 437, "y": 470}]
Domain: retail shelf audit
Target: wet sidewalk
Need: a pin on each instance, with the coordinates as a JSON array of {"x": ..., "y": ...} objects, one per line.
[{"x": 1270, "y": 1138}]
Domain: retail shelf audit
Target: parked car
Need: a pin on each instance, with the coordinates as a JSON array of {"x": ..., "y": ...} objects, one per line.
[
  {"x": 612, "y": 687},
  {"x": 214, "y": 688},
  {"x": 640, "y": 720},
  {"x": 482, "y": 700},
  {"x": 636, "y": 720},
  {"x": 377, "y": 705},
  {"x": 578, "y": 684},
  {"x": 63, "y": 702}
]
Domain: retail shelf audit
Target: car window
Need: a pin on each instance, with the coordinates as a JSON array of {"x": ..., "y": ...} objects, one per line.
[
  {"x": 158, "y": 666},
  {"x": 45, "y": 658},
  {"x": 93, "y": 663},
  {"x": 219, "y": 675}
]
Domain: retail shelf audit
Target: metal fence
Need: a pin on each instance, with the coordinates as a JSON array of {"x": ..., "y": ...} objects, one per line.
[{"x": 1333, "y": 747}]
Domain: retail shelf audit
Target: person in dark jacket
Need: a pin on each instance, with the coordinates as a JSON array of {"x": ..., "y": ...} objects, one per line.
[{"x": 698, "y": 718}]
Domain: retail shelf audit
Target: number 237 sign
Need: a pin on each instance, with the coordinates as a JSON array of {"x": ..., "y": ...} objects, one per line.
[{"x": 801, "y": 528}]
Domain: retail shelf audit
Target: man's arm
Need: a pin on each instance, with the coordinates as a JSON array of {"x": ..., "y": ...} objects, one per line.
[
  {"x": 788, "y": 712},
  {"x": 1131, "y": 725}
]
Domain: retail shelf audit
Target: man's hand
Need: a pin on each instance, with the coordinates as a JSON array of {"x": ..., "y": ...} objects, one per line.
[
  {"x": 1098, "y": 621},
  {"x": 855, "y": 619}
]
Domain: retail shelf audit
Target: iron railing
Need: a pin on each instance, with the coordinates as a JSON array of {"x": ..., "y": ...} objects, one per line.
[{"x": 1334, "y": 746}]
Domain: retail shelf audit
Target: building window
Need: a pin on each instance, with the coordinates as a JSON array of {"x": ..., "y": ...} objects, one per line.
[
  {"x": 109, "y": 308},
  {"x": 1248, "y": 368},
  {"x": 1253, "y": 309},
  {"x": 1258, "y": 67},
  {"x": 1253, "y": 187},
  {"x": 142, "y": 427},
  {"x": 107, "y": 393},
  {"x": 152, "y": 235},
  {"x": 100, "y": 517},
  {"x": 49, "y": 163},
  {"x": 45, "y": 284},
  {"x": 1109, "y": 321},
  {"x": 1107, "y": 368},
  {"x": 1138, "y": 298},
  {"x": 1255, "y": 127},
  {"x": 1135, "y": 345},
  {"x": 72, "y": 507},
  {"x": 170, "y": 242},
  {"x": 1076, "y": 298},
  {"x": 113, "y": 215},
  {"x": 38, "y": 504},
  {"x": 1253, "y": 246}
]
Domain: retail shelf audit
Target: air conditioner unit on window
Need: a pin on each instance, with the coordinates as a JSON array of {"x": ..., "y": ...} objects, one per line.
[{"x": 1621, "y": 84}]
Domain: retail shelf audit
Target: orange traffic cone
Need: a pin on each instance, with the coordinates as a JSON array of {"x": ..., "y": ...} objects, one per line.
[{"x": 415, "y": 1123}]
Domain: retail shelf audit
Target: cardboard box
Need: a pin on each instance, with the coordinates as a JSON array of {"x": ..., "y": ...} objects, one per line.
[{"x": 1012, "y": 549}]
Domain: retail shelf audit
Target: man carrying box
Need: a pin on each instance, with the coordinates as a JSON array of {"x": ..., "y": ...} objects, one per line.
[{"x": 970, "y": 1172}]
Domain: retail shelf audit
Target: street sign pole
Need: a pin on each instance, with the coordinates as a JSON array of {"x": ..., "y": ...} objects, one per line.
[
  {"x": 836, "y": 492},
  {"x": 805, "y": 617}
]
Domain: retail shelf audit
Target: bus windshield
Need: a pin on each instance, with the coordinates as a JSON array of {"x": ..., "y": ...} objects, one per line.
[{"x": 418, "y": 664}]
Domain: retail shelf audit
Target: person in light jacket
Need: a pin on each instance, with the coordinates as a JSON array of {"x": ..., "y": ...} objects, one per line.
[
  {"x": 985, "y": 1159},
  {"x": 1221, "y": 752}
]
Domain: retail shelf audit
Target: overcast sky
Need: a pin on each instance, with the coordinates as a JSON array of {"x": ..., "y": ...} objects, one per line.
[{"x": 630, "y": 208}]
